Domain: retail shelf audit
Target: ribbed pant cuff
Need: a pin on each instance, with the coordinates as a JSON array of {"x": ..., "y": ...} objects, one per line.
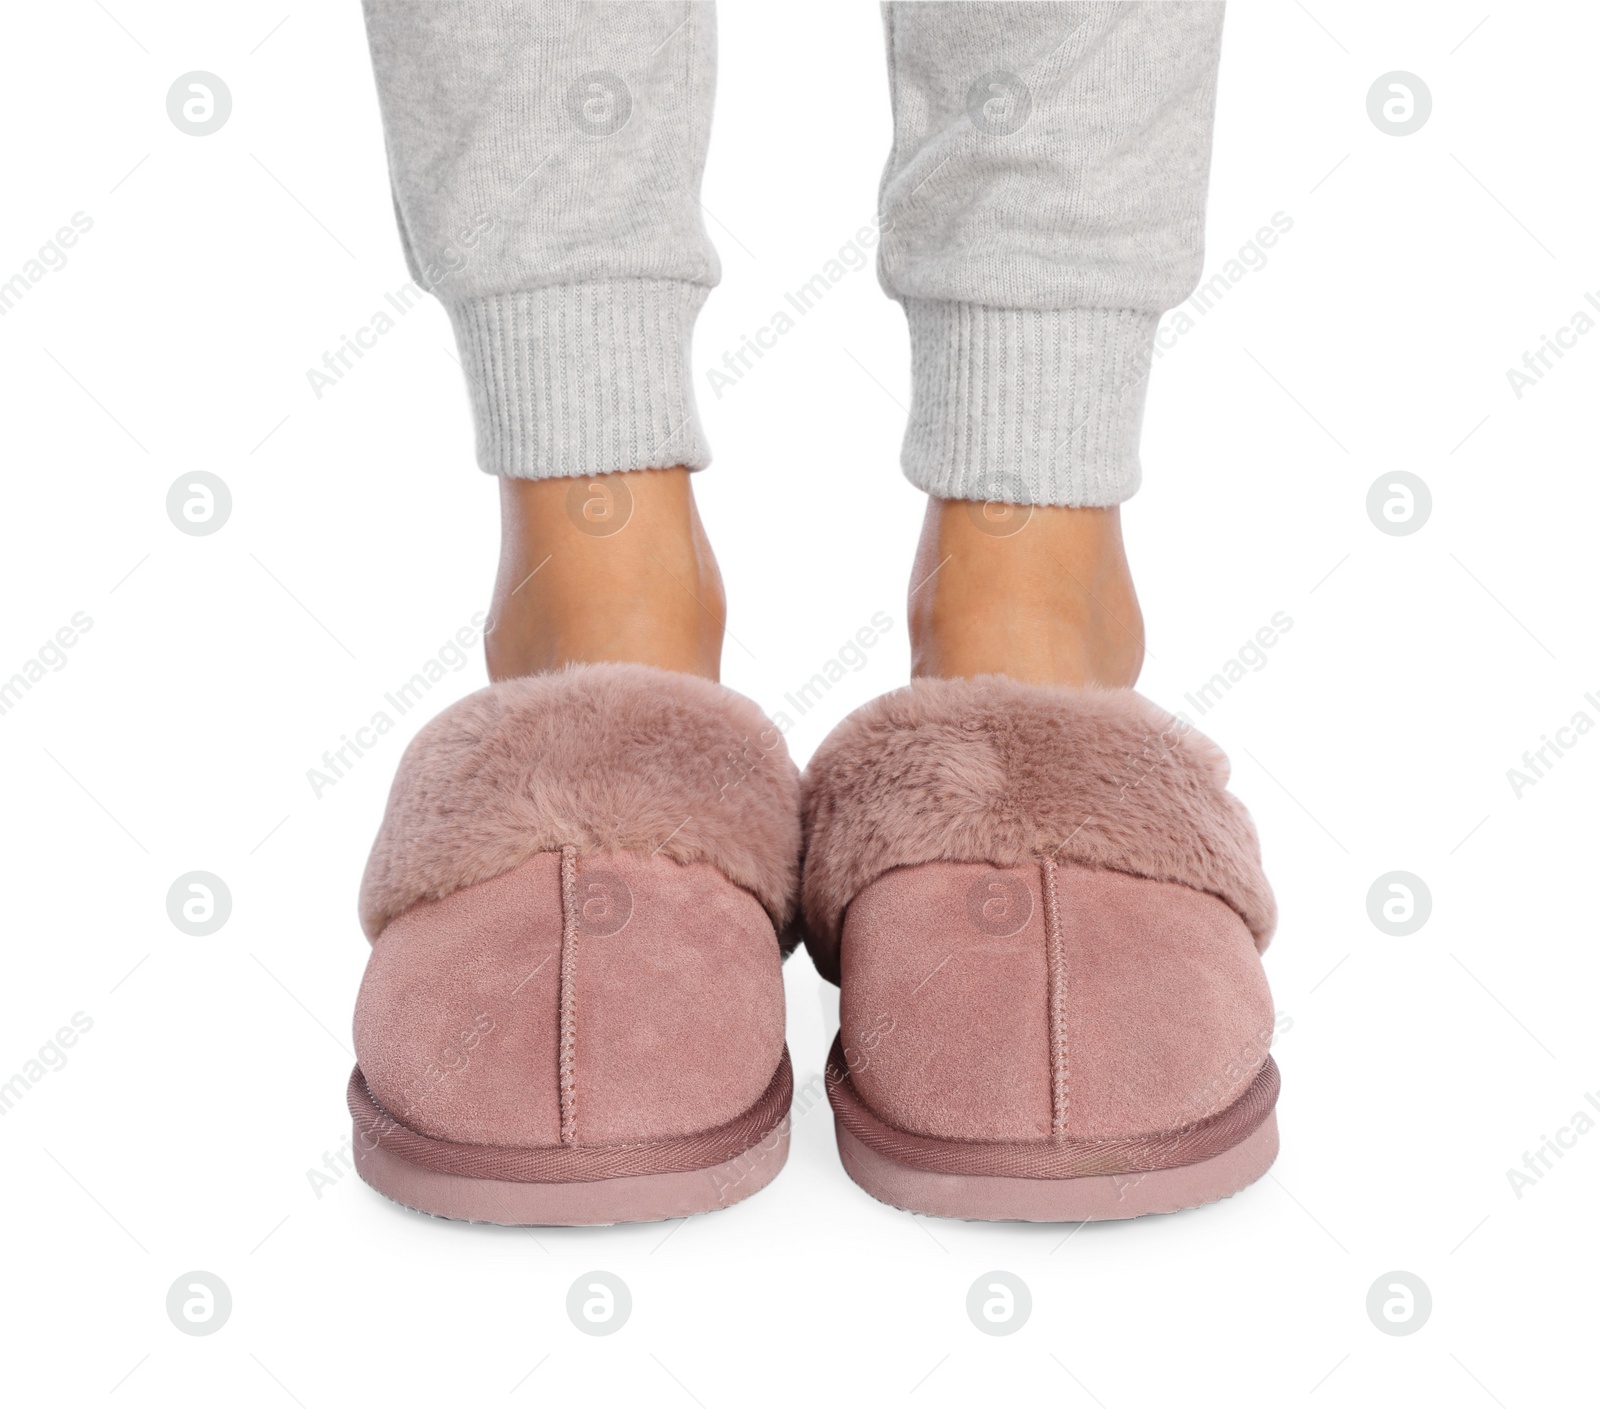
[
  {"x": 583, "y": 379},
  {"x": 1026, "y": 406}
]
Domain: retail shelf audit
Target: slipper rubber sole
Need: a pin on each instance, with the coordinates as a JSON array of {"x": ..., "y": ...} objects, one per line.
[
  {"x": 1057, "y": 1182},
  {"x": 573, "y": 1185}
]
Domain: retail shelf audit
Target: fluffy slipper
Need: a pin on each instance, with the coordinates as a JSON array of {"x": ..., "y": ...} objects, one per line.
[
  {"x": 1045, "y": 913},
  {"x": 573, "y": 1010}
]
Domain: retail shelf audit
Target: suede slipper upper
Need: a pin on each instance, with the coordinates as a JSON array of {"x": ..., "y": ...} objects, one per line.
[
  {"x": 573, "y": 1010},
  {"x": 1045, "y": 912}
]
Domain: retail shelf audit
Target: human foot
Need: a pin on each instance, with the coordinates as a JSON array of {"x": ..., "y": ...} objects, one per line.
[
  {"x": 1040, "y": 594},
  {"x": 610, "y": 568}
]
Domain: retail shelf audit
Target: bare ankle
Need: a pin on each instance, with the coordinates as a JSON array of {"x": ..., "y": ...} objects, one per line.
[
  {"x": 1039, "y": 594},
  {"x": 609, "y": 568}
]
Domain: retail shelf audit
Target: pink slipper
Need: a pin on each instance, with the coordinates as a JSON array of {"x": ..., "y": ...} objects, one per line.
[
  {"x": 573, "y": 1011},
  {"x": 1045, "y": 914}
]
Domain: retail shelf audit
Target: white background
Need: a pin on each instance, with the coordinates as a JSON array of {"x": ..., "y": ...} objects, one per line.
[{"x": 218, "y": 669}]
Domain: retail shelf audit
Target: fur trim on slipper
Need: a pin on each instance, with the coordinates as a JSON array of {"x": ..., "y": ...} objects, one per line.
[
  {"x": 992, "y": 769},
  {"x": 600, "y": 757}
]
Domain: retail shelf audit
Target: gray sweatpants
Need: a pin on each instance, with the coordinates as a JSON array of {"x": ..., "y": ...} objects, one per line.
[{"x": 1042, "y": 206}]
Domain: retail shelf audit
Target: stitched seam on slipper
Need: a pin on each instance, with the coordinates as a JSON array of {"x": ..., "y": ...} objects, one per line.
[
  {"x": 1060, "y": 1090},
  {"x": 569, "y": 998}
]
